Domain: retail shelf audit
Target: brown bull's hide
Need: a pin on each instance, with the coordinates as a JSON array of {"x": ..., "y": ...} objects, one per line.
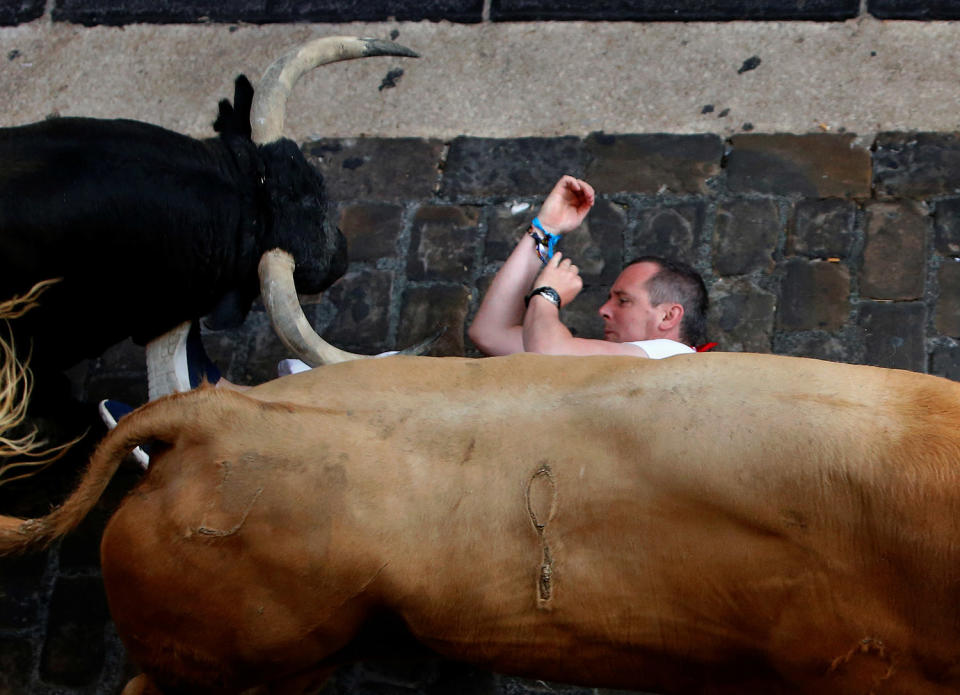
[{"x": 708, "y": 523}]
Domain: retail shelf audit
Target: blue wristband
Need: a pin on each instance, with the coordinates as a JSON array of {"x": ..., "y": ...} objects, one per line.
[{"x": 548, "y": 241}]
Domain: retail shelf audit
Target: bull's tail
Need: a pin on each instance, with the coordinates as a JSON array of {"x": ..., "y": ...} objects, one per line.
[{"x": 157, "y": 421}]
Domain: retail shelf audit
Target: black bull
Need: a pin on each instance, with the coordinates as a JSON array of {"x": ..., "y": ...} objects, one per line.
[{"x": 149, "y": 228}]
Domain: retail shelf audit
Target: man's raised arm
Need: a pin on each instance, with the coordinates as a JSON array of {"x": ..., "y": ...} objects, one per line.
[{"x": 497, "y": 328}]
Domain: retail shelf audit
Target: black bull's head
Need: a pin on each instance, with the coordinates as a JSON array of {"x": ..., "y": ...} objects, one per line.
[{"x": 148, "y": 228}]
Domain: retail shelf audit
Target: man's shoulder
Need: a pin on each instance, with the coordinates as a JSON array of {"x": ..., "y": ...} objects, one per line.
[{"x": 658, "y": 348}]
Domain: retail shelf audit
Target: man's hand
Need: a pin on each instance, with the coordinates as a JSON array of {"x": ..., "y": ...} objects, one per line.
[
  {"x": 561, "y": 275},
  {"x": 566, "y": 205}
]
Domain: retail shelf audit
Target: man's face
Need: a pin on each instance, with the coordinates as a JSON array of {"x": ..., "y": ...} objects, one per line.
[{"x": 627, "y": 314}]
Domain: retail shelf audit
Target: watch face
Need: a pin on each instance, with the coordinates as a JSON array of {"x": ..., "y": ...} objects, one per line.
[{"x": 548, "y": 293}]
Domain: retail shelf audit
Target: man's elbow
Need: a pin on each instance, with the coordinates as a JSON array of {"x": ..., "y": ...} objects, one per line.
[
  {"x": 489, "y": 342},
  {"x": 479, "y": 338}
]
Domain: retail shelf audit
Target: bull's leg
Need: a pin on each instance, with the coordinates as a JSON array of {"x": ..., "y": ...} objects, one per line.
[{"x": 141, "y": 685}]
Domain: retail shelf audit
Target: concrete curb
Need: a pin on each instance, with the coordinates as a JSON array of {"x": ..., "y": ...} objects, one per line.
[{"x": 507, "y": 80}]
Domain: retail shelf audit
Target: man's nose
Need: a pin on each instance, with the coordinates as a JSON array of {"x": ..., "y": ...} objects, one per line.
[{"x": 603, "y": 310}]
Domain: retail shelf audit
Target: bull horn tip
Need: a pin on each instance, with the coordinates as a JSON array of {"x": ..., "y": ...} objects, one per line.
[
  {"x": 425, "y": 344},
  {"x": 379, "y": 47}
]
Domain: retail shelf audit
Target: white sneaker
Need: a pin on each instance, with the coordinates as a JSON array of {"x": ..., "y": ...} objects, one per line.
[
  {"x": 167, "y": 369},
  {"x": 291, "y": 366}
]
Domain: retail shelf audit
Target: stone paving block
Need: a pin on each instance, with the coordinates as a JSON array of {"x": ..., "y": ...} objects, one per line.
[
  {"x": 74, "y": 649},
  {"x": 946, "y": 316},
  {"x": 125, "y": 387},
  {"x": 118, "y": 12},
  {"x": 19, "y": 599},
  {"x": 249, "y": 354},
  {"x": 822, "y": 229},
  {"x": 596, "y": 247},
  {"x": 388, "y": 676},
  {"x": 389, "y": 169},
  {"x": 946, "y": 227},
  {"x": 509, "y": 685},
  {"x": 16, "y": 665},
  {"x": 914, "y": 9},
  {"x": 509, "y": 167},
  {"x": 581, "y": 316},
  {"x": 371, "y": 230},
  {"x": 945, "y": 362},
  {"x": 916, "y": 165},
  {"x": 506, "y": 224},
  {"x": 461, "y": 679},
  {"x": 814, "y": 295},
  {"x": 361, "y": 302},
  {"x": 443, "y": 243},
  {"x": 124, "y": 362},
  {"x": 418, "y": 673},
  {"x": 672, "y": 164},
  {"x": 740, "y": 318},
  {"x": 894, "y": 255},
  {"x": 126, "y": 357},
  {"x": 816, "y": 165},
  {"x": 671, "y": 231},
  {"x": 818, "y": 345},
  {"x": 672, "y": 10},
  {"x": 16, "y": 11},
  {"x": 894, "y": 334},
  {"x": 428, "y": 309},
  {"x": 119, "y": 373},
  {"x": 746, "y": 236}
]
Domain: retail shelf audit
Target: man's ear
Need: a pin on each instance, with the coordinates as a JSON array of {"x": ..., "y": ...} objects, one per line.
[{"x": 672, "y": 316}]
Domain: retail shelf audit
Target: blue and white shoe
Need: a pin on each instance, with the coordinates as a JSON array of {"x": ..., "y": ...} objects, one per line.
[{"x": 110, "y": 413}]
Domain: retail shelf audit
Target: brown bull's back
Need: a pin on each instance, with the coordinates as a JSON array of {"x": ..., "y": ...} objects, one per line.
[{"x": 610, "y": 521}]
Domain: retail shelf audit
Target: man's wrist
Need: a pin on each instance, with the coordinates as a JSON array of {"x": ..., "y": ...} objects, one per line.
[
  {"x": 544, "y": 240},
  {"x": 545, "y": 227},
  {"x": 545, "y": 291}
]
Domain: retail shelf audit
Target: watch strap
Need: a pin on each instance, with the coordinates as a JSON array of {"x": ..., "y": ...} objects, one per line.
[{"x": 548, "y": 293}]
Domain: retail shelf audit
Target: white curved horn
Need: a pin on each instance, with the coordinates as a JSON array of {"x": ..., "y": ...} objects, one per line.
[
  {"x": 279, "y": 295},
  {"x": 270, "y": 97}
]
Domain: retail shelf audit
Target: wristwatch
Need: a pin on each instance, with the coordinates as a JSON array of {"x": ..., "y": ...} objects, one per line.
[{"x": 548, "y": 293}]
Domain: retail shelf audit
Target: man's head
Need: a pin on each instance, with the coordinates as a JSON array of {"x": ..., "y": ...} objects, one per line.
[{"x": 653, "y": 298}]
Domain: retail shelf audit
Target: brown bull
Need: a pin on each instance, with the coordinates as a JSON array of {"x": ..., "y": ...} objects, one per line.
[{"x": 713, "y": 523}]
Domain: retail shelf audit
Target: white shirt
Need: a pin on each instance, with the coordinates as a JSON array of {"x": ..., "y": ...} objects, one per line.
[{"x": 659, "y": 348}]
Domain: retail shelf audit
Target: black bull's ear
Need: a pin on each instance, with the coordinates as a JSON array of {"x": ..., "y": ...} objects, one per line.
[{"x": 235, "y": 119}]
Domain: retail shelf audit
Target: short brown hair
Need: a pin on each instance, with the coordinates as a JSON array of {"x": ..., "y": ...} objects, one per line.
[{"x": 678, "y": 282}]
